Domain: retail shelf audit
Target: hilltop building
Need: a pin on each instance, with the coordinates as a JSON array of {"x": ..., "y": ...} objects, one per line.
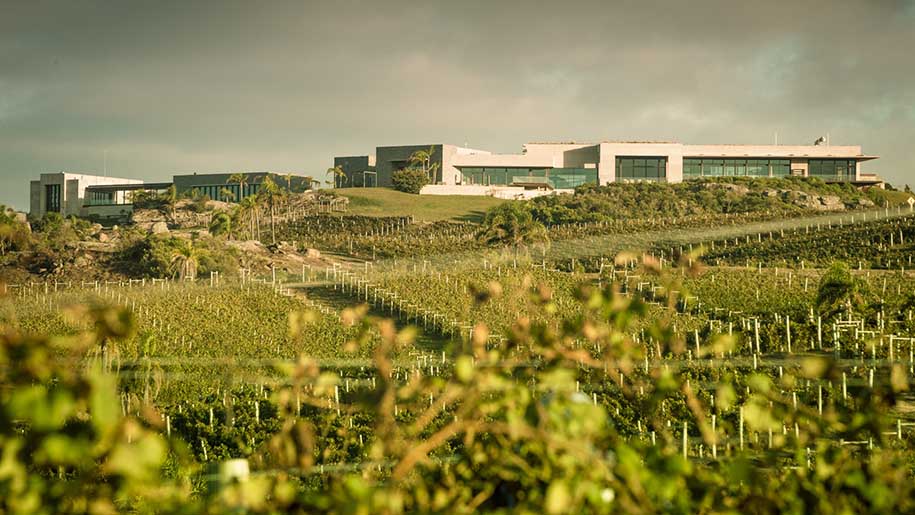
[
  {"x": 562, "y": 166},
  {"x": 94, "y": 196}
]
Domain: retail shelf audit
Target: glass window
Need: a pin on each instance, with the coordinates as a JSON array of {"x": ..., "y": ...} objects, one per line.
[{"x": 641, "y": 168}]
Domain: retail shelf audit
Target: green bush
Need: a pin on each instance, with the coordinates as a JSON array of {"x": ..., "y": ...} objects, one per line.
[{"x": 409, "y": 180}]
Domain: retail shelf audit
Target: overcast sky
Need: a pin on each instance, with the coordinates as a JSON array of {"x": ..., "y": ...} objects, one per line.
[{"x": 162, "y": 87}]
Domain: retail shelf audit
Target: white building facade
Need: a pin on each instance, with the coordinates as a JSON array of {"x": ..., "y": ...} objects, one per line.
[
  {"x": 65, "y": 192},
  {"x": 567, "y": 165}
]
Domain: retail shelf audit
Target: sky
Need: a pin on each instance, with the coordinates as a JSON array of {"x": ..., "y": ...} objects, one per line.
[{"x": 149, "y": 89}]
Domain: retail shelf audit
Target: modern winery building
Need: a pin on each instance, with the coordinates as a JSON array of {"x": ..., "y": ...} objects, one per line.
[
  {"x": 567, "y": 165},
  {"x": 103, "y": 197}
]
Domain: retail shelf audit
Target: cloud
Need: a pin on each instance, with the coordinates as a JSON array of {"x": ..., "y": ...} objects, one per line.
[{"x": 166, "y": 87}]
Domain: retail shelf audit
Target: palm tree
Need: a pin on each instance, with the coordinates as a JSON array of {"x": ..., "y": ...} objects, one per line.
[
  {"x": 246, "y": 209},
  {"x": 171, "y": 198},
  {"x": 227, "y": 194},
  {"x": 512, "y": 223},
  {"x": 271, "y": 194},
  {"x": 221, "y": 224},
  {"x": 423, "y": 159},
  {"x": 185, "y": 259},
  {"x": 242, "y": 180},
  {"x": 337, "y": 173}
]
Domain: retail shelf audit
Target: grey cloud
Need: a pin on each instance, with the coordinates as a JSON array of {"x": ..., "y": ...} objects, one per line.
[{"x": 177, "y": 86}]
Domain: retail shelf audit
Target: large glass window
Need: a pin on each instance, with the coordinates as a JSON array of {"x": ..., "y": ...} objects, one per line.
[
  {"x": 561, "y": 178},
  {"x": 52, "y": 198},
  {"x": 710, "y": 167},
  {"x": 100, "y": 198},
  {"x": 641, "y": 168},
  {"x": 832, "y": 169}
]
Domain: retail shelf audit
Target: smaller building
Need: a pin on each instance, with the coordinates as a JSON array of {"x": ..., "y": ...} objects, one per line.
[
  {"x": 66, "y": 193},
  {"x": 111, "y": 198},
  {"x": 358, "y": 171}
]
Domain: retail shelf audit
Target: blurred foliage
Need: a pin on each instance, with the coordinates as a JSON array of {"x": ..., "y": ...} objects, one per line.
[{"x": 506, "y": 427}]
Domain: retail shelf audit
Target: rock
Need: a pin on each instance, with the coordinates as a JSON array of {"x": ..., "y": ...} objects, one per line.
[
  {"x": 95, "y": 229},
  {"x": 159, "y": 228},
  {"x": 81, "y": 262},
  {"x": 864, "y": 202},
  {"x": 103, "y": 237},
  {"x": 832, "y": 203},
  {"x": 21, "y": 217},
  {"x": 313, "y": 253},
  {"x": 285, "y": 246}
]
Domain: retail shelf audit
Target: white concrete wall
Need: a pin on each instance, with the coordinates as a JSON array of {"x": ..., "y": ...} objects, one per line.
[
  {"x": 72, "y": 190},
  {"x": 606, "y": 172},
  {"x": 452, "y": 157}
]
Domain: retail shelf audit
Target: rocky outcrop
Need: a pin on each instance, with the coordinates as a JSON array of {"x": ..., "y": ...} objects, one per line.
[{"x": 159, "y": 228}]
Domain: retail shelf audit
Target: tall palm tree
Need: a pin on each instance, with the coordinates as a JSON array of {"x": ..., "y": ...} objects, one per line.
[
  {"x": 185, "y": 259},
  {"x": 246, "y": 210},
  {"x": 242, "y": 180},
  {"x": 271, "y": 195}
]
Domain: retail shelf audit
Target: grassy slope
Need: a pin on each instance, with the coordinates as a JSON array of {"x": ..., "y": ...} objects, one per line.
[
  {"x": 895, "y": 198},
  {"x": 387, "y": 202}
]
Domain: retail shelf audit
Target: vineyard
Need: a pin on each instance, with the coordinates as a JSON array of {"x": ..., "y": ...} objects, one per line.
[{"x": 707, "y": 363}]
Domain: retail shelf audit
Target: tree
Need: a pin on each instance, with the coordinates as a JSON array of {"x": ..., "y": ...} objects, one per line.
[
  {"x": 221, "y": 224},
  {"x": 245, "y": 212},
  {"x": 409, "y": 180},
  {"x": 512, "y": 223},
  {"x": 338, "y": 175},
  {"x": 423, "y": 160},
  {"x": 171, "y": 198},
  {"x": 14, "y": 235},
  {"x": 227, "y": 195},
  {"x": 271, "y": 194},
  {"x": 840, "y": 290},
  {"x": 242, "y": 180},
  {"x": 185, "y": 259}
]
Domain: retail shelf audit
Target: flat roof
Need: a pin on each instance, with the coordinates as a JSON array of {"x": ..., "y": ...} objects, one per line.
[{"x": 130, "y": 187}]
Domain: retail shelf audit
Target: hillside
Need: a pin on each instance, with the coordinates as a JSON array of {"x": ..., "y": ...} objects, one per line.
[{"x": 708, "y": 197}]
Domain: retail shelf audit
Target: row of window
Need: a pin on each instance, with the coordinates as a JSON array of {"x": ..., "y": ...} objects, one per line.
[
  {"x": 832, "y": 168},
  {"x": 99, "y": 198},
  {"x": 693, "y": 167},
  {"x": 226, "y": 192},
  {"x": 561, "y": 178},
  {"x": 655, "y": 169}
]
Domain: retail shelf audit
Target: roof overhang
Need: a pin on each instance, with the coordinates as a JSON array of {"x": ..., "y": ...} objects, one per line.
[{"x": 130, "y": 187}]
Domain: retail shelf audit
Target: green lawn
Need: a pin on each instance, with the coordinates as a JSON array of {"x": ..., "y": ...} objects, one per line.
[{"x": 388, "y": 202}]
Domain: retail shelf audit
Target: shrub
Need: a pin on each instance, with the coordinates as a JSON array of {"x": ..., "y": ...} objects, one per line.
[
  {"x": 409, "y": 180},
  {"x": 512, "y": 223}
]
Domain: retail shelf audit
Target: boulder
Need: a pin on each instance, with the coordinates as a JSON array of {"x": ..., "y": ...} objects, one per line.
[
  {"x": 103, "y": 237},
  {"x": 832, "y": 203},
  {"x": 313, "y": 253},
  {"x": 159, "y": 228}
]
